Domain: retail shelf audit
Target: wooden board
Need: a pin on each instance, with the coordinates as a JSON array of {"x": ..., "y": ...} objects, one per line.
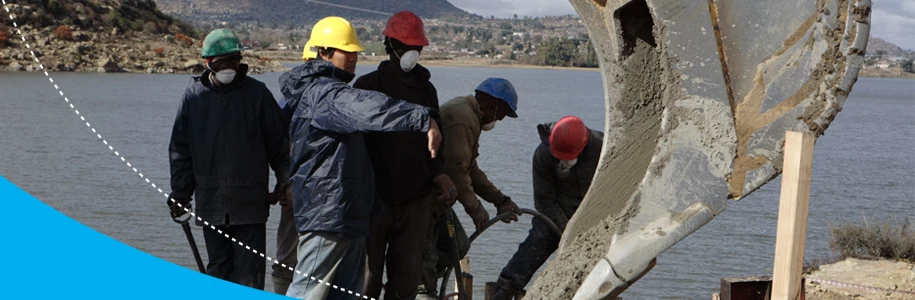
[{"x": 792, "y": 216}]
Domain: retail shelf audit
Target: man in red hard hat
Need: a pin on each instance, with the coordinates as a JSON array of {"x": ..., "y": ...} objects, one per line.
[
  {"x": 563, "y": 166},
  {"x": 406, "y": 179}
]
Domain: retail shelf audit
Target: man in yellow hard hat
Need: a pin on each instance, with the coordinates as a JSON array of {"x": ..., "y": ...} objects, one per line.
[{"x": 332, "y": 181}]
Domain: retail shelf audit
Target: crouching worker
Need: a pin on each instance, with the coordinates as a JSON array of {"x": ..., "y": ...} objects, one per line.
[
  {"x": 563, "y": 166},
  {"x": 332, "y": 182},
  {"x": 464, "y": 119},
  {"x": 224, "y": 116}
]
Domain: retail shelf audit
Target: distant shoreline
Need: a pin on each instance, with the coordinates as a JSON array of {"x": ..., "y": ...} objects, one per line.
[{"x": 291, "y": 57}]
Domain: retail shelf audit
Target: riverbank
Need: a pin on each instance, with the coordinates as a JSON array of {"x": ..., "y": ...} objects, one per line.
[
  {"x": 883, "y": 277},
  {"x": 874, "y": 72},
  {"x": 112, "y": 52},
  {"x": 294, "y": 57}
]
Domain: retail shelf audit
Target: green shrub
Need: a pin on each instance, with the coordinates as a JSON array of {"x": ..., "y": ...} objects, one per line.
[{"x": 890, "y": 239}]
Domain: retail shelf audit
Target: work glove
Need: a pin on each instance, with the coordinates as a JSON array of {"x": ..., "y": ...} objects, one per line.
[
  {"x": 435, "y": 137},
  {"x": 479, "y": 215},
  {"x": 449, "y": 191},
  {"x": 177, "y": 211},
  {"x": 508, "y": 205}
]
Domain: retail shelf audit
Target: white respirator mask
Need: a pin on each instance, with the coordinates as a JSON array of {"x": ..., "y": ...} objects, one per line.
[
  {"x": 489, "y": 126},
  {"x": 409, "y": 60},
  {"x": 225, "y": 76},
  {"x": 567, "y": 164}
]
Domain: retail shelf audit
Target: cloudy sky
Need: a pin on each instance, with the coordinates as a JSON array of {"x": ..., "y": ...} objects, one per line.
[{"x": 892, "y": 20}]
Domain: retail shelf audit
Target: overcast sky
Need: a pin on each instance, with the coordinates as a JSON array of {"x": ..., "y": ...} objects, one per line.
[{"x": 892, "y": 20}]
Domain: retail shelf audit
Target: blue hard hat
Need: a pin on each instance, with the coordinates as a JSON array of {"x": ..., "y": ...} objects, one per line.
[{"x": 502, "y": 89}]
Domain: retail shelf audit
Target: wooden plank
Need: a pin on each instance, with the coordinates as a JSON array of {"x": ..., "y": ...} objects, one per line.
[
  {"x": 465, "y": 268},
  {"x": 468, "y": 285},
  {"x": 489, "y": 289},
  {"x": 792, "y": 216}
]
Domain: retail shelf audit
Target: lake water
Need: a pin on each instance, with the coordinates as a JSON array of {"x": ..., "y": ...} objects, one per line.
[{"x": 863, "y": 167}]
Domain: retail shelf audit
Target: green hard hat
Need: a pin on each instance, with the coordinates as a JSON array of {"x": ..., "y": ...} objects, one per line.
[{"x": 221, "y": 42}]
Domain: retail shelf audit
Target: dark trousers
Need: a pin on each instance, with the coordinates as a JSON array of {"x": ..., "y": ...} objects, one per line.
[
  {"x": 396, "y": 242},
  {"x": 232, "y": 262},
  {"x": 439, "y": 252},
  {"x": 287, "y": 241},
  {"x": 541, "y": 242}
]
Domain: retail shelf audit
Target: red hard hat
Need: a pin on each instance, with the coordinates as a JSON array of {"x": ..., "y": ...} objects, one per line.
[
  {"x": 407, "y": 28},
  {"x": 568, "y": 138}
]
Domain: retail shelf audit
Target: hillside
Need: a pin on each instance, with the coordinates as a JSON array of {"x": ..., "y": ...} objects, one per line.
[
  {"x": 299, "y": 12},
  {"x": 101, "y": 36},
  {"x": 878, "y": 46}
]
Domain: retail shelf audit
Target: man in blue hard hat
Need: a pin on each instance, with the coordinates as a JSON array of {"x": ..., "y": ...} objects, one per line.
[{"x": 463, "y": 120}]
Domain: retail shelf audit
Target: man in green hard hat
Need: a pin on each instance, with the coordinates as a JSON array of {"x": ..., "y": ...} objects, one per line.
[{"x": 228, "y": 133}]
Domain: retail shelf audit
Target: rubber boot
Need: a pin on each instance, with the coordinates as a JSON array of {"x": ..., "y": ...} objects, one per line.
[{"x": 280, "y": 285}]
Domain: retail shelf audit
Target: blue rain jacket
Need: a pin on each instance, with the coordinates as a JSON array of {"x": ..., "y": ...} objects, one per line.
[{"x": 332, "y": 181}]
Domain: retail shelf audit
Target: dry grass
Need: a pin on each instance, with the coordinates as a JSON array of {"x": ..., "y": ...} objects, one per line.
[{"x": 889, "y": 239}]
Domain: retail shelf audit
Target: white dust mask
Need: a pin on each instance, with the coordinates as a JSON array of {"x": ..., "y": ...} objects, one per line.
[
  {"x": 225, "y": 76},
  {"x": 409, "y": 60},
  {"x": 565, "y": 167},
  {"x": 489, "y": 126},
  {"x": 568, "y": 164}
]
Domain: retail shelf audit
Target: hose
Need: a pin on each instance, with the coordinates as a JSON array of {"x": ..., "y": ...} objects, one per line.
[
  {"x": 504, "y": 215},
  {"x": 492, "y": 221}
]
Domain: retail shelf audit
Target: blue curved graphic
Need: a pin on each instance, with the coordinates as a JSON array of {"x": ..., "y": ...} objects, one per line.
[{"x": 48, "y": 255}]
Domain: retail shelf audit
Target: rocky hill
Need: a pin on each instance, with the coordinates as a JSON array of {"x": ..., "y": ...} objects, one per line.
[
  {"x": 298, "y": 12},
  {"x": 102, "y": 36},
  {"x": 875, "y": 45}
]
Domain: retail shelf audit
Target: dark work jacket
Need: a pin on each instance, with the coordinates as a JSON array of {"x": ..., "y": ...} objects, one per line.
[
  {"x": 223, "y": 142},
  {"x": 332, "y": 180},
  {"x": 403, "y": 166},
  {"x": 556, "y": 194}
]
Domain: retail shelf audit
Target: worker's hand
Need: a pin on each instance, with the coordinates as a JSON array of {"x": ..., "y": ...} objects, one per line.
[
  {"x": 449, "y": 191},
  {"x": 278, "y": 195},
  {"x": 434, "y": 137},
  {"x": 286, "y": 202},
  {"x": 273, "y": 198},
  {"x": 480, "y": 217},
  {"x": 508, "y": 205},
  {"x": 176, "y": 210}
]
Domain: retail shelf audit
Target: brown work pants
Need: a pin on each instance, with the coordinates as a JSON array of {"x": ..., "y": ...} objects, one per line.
[{"x": 396, "y": 241}]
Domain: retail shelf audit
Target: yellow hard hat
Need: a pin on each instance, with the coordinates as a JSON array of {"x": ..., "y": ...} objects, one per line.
[
  {"x": 332, "y": 32},
  {"x": 308, "y": 53}
]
